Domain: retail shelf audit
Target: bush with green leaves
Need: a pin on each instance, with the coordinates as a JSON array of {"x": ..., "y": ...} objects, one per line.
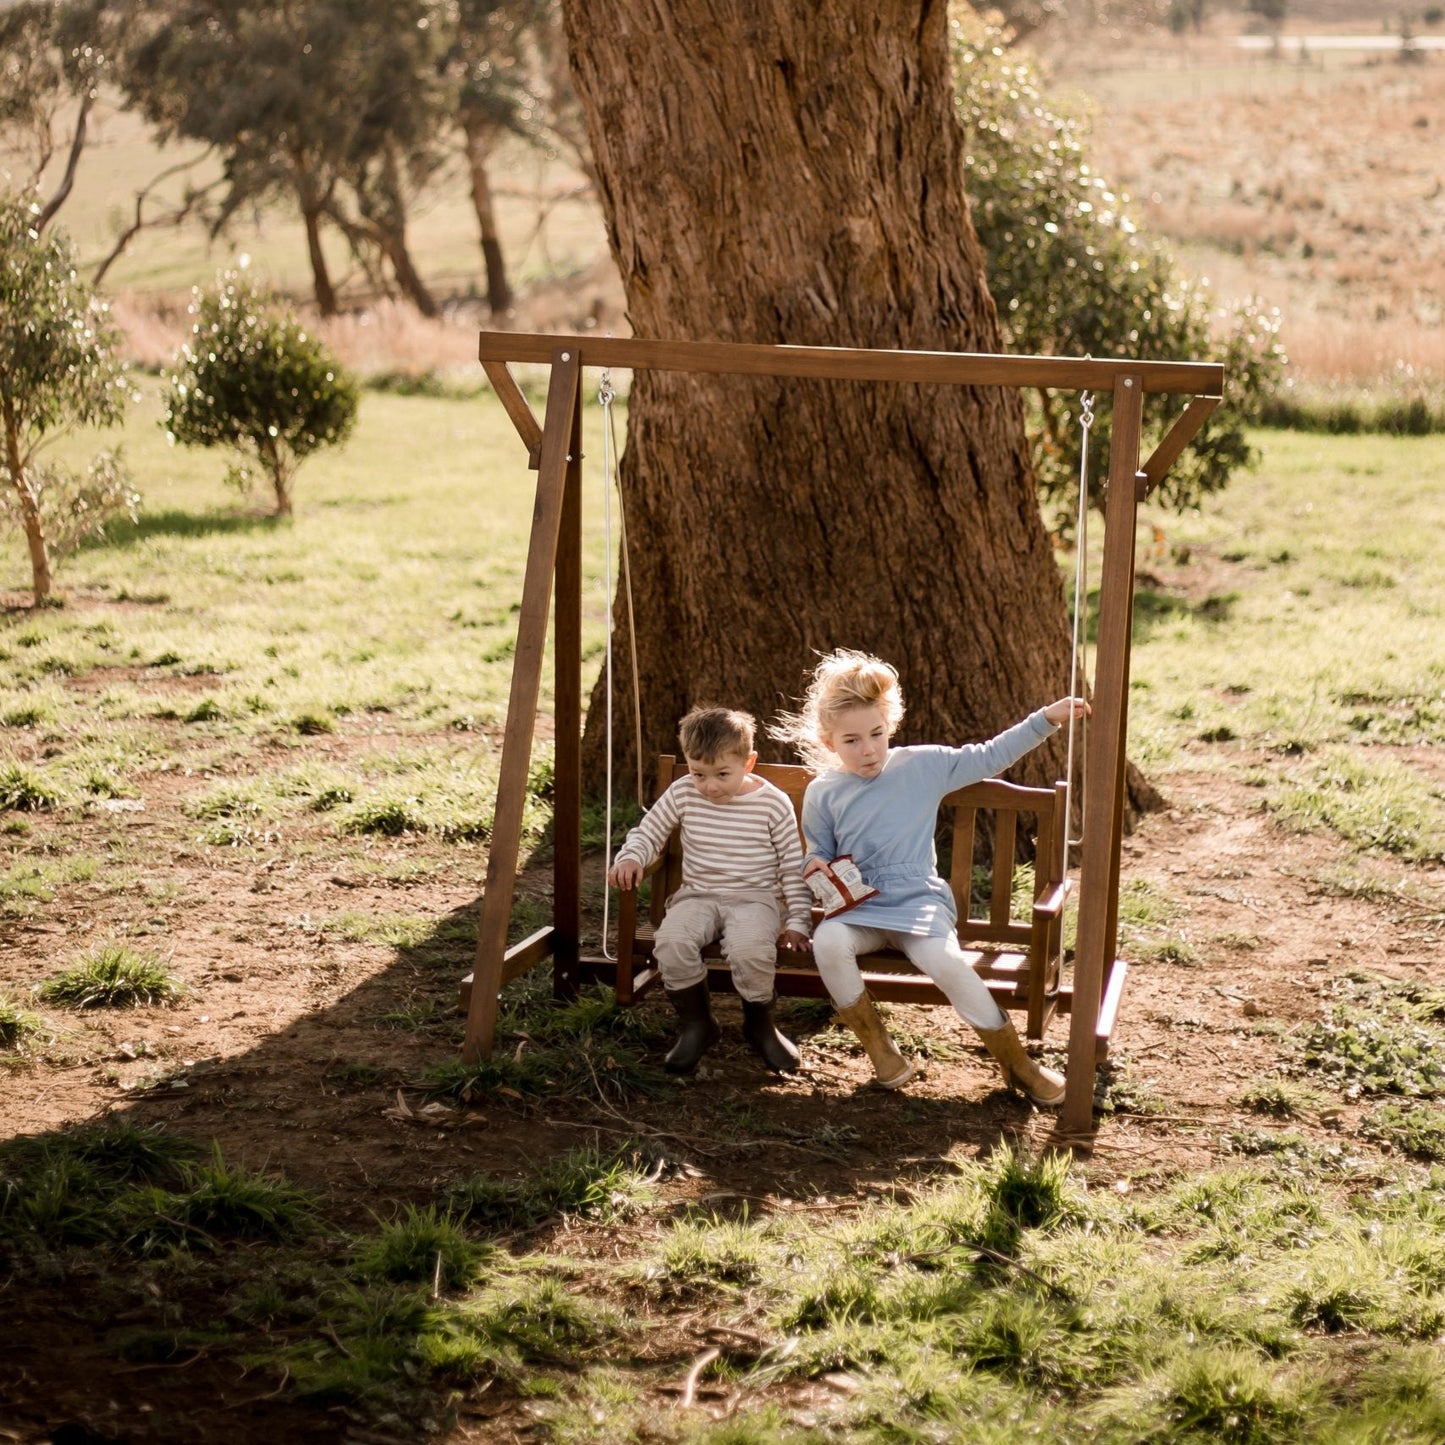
[
  {"x": 1072, "y": 276},
  {"x": 251, "y": 378},
  {"x": 58, "y": 370}
]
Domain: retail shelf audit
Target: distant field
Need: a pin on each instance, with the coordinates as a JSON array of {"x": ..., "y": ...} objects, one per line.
[{"x": 1236, "y": 158}]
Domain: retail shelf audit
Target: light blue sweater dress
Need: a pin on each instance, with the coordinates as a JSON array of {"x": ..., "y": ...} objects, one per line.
[{"x": 887, "y": 823}]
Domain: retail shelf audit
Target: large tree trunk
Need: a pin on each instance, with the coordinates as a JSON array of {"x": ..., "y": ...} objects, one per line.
[{"x": 772, "y": 172}]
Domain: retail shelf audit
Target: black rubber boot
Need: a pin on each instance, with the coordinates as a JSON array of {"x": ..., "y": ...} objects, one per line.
[
  {"x": 698, "y": 1031},
  {"x": 761, "y": 1032}
]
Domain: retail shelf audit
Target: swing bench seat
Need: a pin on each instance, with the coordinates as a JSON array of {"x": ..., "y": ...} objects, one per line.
[{"x": 1015, "y": 946}]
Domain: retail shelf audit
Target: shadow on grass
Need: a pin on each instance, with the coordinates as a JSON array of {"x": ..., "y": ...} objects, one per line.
[
  {"x": 363, "y": 1104},
  {"x": 175, "y": 523}
]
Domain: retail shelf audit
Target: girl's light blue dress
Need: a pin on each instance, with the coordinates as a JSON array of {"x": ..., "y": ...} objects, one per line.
[{"x": 887, "y": 823}]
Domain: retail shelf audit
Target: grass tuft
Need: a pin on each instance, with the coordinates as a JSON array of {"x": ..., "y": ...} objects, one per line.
[
  {"x": 19, "y": 1028},
  {"x": 422, "y": 1247},
  {"x": 214, "y": 1201},
  {"x": 588, "y": 1183},
  {"x": 27, "y": 790},
  {"x": 1280, "y": 1099},
  {"x": 112, "y": 975}
]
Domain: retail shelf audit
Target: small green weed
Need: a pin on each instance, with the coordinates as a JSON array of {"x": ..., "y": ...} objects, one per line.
[
  {"x": 1176, "y": 950},
  {"x": 63, "y": 1187},
  {"x": 589, "y": 1183},
  {"x": 1369, "y": 1054},
  {"x": 712, "y": 1252},
  {"x": 1417, "y": 1130},
  {"x": 215, "y": 1200},
  {"x": 1376, "y": 804},
  {"x": 19, "y": 1028},
  {"x": 1118, "y": 1089},
  {"x": 229, "y": 800},
  {"x": 422, "y": 1247},
  {"x": 1207, "y": 1394},
  {"x": 112, "y": 975},
  {"x": 1280, "y": 1098},
  {"x": 27, "y": 790}
]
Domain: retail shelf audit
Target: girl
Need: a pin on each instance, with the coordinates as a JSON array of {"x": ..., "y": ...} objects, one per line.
[{"x": 880, "y": 804}]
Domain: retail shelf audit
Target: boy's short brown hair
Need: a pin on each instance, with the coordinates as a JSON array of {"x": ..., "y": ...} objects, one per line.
[{"x": 710, "y": 733}]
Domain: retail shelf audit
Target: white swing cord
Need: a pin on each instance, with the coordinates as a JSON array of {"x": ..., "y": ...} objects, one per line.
[
  {"x": 1078, "y": 670},
  {"x": 606, "y": 396}
]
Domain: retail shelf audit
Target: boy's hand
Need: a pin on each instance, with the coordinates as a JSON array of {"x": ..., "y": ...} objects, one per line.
[
  {"x": 814, "y": 864},
  {"x": 626, "y": 874},
  {"x": 1066, "y": 707},
  {"x": 794, "y": 942}
]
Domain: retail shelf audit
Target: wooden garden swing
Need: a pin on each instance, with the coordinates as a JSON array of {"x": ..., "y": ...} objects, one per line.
[{"x": 554, "y": 447}]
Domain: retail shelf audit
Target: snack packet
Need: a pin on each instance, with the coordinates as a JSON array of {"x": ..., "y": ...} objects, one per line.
[{"x": 839, "y": 886}]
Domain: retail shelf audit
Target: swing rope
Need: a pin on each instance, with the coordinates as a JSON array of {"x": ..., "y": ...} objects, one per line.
[
  {"x": 606, "y": 396},
  {"x": 1078, "y": 669}
]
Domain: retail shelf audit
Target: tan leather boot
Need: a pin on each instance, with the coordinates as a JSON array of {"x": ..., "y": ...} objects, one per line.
[
  {"x": 890, "y": 1069},
  {"x": 1043, "y": 1086}
]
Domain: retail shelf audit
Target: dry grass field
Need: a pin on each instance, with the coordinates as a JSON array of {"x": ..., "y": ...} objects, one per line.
[{"x": 1239, "y": 160}]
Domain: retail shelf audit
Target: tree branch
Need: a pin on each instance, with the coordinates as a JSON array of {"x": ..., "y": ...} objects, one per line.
[
  {"x": 77, "y": 145},
  {"x": 140, "y": 223}
]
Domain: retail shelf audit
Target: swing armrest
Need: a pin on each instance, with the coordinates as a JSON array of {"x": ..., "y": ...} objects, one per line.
[
  {"x": 627, "y": 913},
  {"x": 1051, "y": 905}
]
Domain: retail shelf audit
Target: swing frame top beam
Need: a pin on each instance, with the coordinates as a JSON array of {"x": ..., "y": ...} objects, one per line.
[
  {"x": 845, "y": 363},
  {"x": 555, "y": 555}
]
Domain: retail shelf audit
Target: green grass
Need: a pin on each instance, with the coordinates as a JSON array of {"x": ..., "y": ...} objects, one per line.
[
  {"x": 1418, "y": 1130},
  {"x": 20, "y": 1029},
  {"x": 589, "y": 1183},
  {"x": 112, "y": 975},
  {"x": 422, "y": 1246},
  {"x": 1379, "y": 805},
  {"x": 1333, "y": 637}
]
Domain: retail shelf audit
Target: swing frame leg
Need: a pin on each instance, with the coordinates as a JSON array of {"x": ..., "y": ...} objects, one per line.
[{"x": 555, "y": 548}]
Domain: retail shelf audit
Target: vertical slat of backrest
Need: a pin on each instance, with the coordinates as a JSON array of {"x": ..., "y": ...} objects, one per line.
[
  {"x": 961, "y": 879},
  {"x": 669, "y": 876},
  {"x": 1046, "y": 853},
  {"x": 1005, "y": 830}
]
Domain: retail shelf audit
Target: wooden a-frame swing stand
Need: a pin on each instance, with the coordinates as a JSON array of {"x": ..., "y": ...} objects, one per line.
[{"x": 554, "y": 559}]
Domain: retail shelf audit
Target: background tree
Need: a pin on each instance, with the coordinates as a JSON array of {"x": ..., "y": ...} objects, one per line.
[
  {"x": 301, "y": 101},
  {"x": 52, "y": 60},
  {"x": 491, "y": 64},
  {"x": 771, "y": 173},
  {"x": 58, "y": 370},
  {"x": 1073, "y": 276},
  {"x": 252, "y": 379}
]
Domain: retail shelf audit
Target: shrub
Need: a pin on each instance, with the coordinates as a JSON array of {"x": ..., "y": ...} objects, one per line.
[
  {"x": 250, "y": 378},
  {"x": 1072, "y": 276},
  {"x": 58, "y": 370}
]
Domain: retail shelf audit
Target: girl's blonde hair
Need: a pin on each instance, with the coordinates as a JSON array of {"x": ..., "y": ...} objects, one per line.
[{"x": 842, "y": 681}]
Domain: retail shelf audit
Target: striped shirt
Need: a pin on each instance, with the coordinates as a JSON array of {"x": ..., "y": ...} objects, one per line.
[{"x": 748, "y": 844}]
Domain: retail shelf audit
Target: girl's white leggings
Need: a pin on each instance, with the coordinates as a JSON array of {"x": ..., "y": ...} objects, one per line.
[{"x": 836, "y": 946}]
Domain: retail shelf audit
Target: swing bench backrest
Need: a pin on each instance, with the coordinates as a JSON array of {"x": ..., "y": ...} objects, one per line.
[{"x": 1015, "y": 945}]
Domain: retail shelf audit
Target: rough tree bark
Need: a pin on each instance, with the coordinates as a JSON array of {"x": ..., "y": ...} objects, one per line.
[{"x": 772, "y": 172}]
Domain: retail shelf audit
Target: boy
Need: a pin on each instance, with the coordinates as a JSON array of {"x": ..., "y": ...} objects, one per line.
[{"x": 739, "y": 846}]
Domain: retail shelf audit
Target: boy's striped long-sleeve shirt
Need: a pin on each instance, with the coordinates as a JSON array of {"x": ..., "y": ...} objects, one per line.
[{"x": 748, "y": 844}]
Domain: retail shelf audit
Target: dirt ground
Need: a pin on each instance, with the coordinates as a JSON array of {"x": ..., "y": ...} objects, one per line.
[{"x": 275, "y": 1051}]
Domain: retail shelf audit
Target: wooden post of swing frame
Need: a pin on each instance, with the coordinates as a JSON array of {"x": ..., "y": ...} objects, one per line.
[
  {"x": 1095, "y": 964},
  {"x": 555, "y": 551}
]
